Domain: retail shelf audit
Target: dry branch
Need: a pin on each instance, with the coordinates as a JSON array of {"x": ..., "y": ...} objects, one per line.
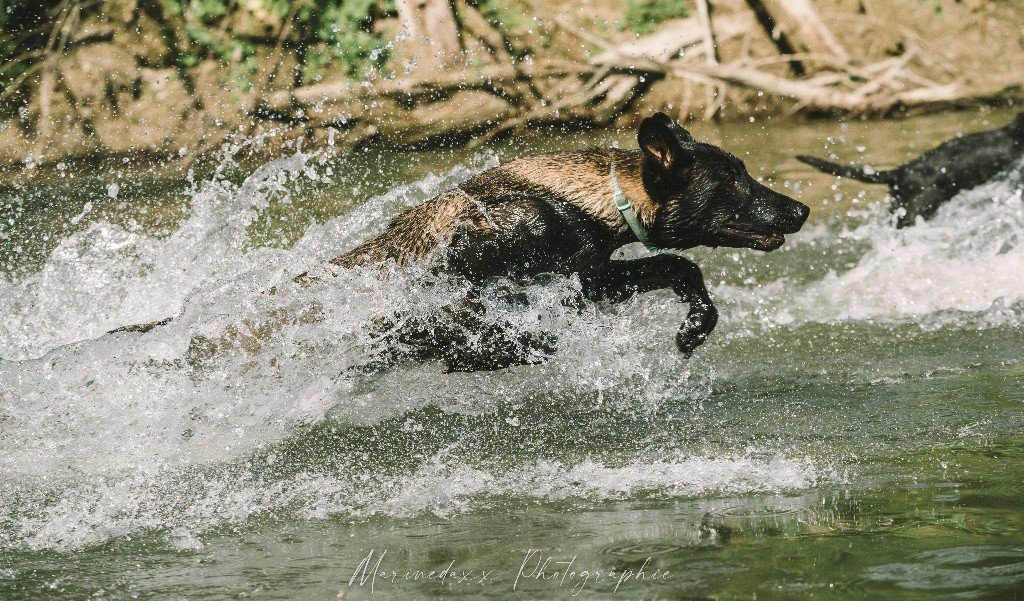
[
  {"x": 868, "y": 98},
  {"x": 684, "y": 37},
  {"x": 711, "y": 56},
  {"x": 415, "y": 89},
  {"x": 806, "y": 30}
]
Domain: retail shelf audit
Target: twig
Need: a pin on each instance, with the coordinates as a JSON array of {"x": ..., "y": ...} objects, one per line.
[
  {"x": 920, "y": 80},
  {"x": 286, "y": 27},
  {"x": 825, "y": 59},
  {"x": 21, "y": 58},
  {"x": 44, "y": 125},
  {"x": 13, "y": 88},
  {"x": 708, "y": 34},
  {"x": 711, "y": 56},
  {"x": 581, "y": 34},
  {"x": 890, "y": 74},
  {"x": 499, "y": 46},
  {"x": 929, "y": 54},
  {"x": 486, "y": 78},
  {"x": 684, "y": 109}
]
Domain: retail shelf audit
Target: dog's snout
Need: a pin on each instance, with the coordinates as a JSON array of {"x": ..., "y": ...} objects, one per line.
[
  {"x": 792, "y": 215},
  {"x": 781, "y": 213},
  {"x": 802, "y": 211}
]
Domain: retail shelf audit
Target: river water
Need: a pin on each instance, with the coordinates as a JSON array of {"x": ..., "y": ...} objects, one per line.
[{"x": 853, "y": 429}]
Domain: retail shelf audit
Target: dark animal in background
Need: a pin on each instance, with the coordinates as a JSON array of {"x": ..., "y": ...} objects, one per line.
[
  {"x": 566, "y": 213},
  {"x": 919, "y": 187}
]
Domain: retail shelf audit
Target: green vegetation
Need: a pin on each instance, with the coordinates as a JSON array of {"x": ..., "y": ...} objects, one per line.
[
  {"x": 643, "y": 15},
  {"x": 329, "y": 33},
  {"x": 325, "y": 34}
]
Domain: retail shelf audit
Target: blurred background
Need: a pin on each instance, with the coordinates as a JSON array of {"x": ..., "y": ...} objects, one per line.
[{"x": 177, "y": 78}]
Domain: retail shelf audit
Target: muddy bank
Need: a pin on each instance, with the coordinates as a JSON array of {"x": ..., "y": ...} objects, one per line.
[{"x": 163, "y": 78}]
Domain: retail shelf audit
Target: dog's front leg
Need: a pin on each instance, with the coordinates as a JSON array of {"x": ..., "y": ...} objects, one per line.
[{"x": 621, "y": 280}]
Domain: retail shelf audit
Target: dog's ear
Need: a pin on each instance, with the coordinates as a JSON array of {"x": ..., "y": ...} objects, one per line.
[{"x": 664, "y": 141}]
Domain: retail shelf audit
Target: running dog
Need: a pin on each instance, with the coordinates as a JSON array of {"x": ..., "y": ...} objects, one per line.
[
  {"x": 919, "y": 187},
  {"x": 566, "y": 213}
]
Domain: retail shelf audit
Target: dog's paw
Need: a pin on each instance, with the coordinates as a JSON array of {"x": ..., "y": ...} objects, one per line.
[
  {"x": 689, "y": 341},
  {"x": 696, "y": 329}
]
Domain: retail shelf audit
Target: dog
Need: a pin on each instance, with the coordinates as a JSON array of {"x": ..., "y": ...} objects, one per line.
[
  {"x": 566, "y": 213},
  {"x": 920, "y": 187}
]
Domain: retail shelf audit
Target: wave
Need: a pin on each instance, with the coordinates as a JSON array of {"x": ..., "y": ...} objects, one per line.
[
  {"x": 966, "y": 259},
  {"x": 185, "y": 507}
]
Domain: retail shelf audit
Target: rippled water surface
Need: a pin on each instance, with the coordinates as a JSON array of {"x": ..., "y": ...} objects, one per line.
[{"x": 853, "y": 429}]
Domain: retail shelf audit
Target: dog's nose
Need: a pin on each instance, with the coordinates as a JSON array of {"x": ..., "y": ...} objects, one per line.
[
  {"x": 792, "y": 216},
  {"x": 802, "y": 211}
]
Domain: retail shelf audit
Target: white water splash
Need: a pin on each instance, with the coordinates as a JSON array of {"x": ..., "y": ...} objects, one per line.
[
  {"x": 134, "y": 431},
  {"x": 967, "y": 258},
  {"x": 84, "y": 402},
  {"x": 96, "y": 512},
  {"x": 441, "y": 489}
]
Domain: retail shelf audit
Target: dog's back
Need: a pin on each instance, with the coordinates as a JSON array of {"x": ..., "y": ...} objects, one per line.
[
  {"x": 414, "y": 234},
  {"x": 567, "y": 180}
]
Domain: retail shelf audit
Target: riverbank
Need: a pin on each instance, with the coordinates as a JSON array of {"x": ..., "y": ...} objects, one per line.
[{"x": 176, "y": 82}]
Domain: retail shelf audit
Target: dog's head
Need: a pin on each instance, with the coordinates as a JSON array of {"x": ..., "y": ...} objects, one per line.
[{"x": 705, "y": 196}]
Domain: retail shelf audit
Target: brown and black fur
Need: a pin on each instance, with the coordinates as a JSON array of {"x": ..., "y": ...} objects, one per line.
[
  {"x": 920, "y": 187},
  {"x": 555, "y": 213}
]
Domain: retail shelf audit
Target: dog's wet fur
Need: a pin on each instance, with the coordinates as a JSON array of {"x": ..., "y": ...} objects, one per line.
[
  {"x": 920, "y": 187},
  {"x": 556, "y": 214}
]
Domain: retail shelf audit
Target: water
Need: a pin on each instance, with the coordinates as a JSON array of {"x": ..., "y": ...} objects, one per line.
[{"x": 852, "y": 430}]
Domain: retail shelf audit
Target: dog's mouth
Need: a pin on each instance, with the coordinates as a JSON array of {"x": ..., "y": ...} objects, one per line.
[{"x": 741, "y": 235}]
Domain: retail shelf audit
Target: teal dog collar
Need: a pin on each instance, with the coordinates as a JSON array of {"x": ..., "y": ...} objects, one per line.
[{"x": 629, "y": 214}]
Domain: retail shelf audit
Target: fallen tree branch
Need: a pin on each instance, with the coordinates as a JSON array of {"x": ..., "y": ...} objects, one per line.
[
  {"x": 413, "y": 89},
  {"x": 580, "y": 34},
  {"x": 885, "y": 77},
  {"x": 820, "y": 97}
]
